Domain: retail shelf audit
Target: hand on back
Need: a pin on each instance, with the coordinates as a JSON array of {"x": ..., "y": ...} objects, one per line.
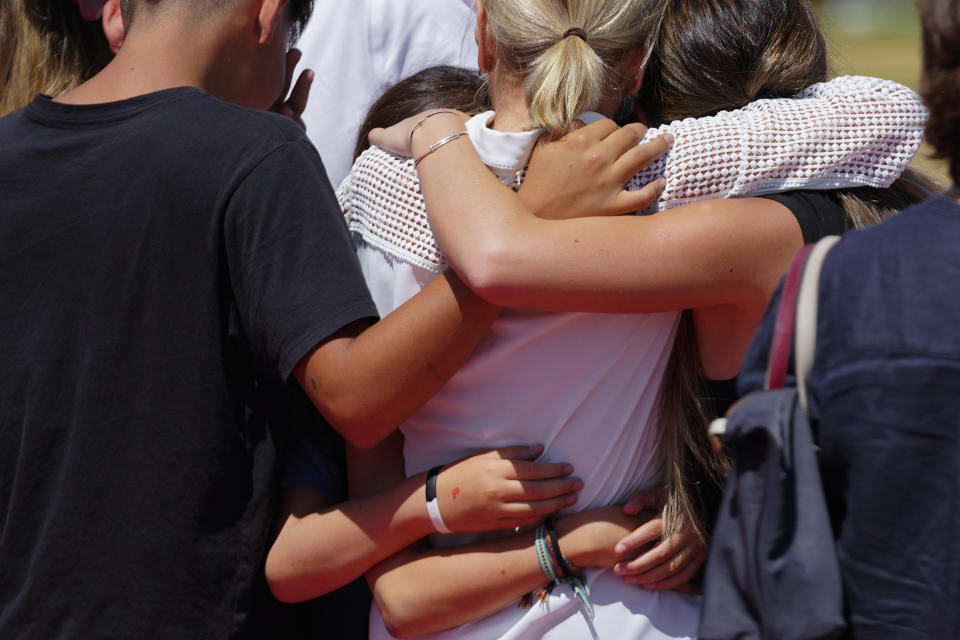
[{"x": 503, "y": 489}]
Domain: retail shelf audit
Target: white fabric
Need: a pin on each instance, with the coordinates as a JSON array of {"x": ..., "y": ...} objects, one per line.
[
  {"x": 852, "y": 131},
  {"x": 584, "y": 385},
  {"x": 360, "y": 48},
  {"x": 848, "y": 132}
]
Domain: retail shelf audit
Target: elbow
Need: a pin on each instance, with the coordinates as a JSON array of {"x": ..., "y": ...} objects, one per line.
[
  {"x": 356, "y": 417},
  {"x": 290, "y": 583},
  {"x": 281, "y": 579},
  {"x": 361, "y": 429},
  {"x": 491, "y": 269},
  {"x": 400, "y": 620}
]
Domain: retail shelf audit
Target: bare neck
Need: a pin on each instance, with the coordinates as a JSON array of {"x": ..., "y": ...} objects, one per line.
[
  {"x": 510, "y": 104},
  {"x": 153, "y": 58}
]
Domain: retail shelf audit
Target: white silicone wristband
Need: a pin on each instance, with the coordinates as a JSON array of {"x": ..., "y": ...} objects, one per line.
[{"x": 433, "y": 510}]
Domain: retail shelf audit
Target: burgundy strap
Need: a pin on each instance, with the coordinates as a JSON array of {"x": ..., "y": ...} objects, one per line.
[{"x": 782, "y": 343}]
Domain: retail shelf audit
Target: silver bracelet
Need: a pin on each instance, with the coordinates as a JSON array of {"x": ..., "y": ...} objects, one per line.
[
  {"x": 439, "y": 143},
  {"x": 424, "y": 119}
]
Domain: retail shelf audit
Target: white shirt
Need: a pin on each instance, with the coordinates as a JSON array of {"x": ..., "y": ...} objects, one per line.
[
  {"x": 584, "y": 385},
  {"x": 358, "y": 49}
]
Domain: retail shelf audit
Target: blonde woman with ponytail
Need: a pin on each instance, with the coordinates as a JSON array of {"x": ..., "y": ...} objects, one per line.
[{"x": 585, "y": 385}]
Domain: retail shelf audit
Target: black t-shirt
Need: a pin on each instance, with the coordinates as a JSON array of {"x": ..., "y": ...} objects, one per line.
[{"x": 165, "y": 261}]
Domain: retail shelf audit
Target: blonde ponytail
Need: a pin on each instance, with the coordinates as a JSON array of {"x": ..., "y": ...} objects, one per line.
[
  {"x": 568, "y": 79},
  {"x": 566, "y": 52}
]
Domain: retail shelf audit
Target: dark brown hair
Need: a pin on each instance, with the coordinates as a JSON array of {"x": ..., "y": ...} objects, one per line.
[
  {"x": 713, "y": 55},
  {"x": 433, "y": 88},
  {"x": 46, "y": 47},
  {"x": 300, "y": 11},
  {"x": 940, "y": 84}
]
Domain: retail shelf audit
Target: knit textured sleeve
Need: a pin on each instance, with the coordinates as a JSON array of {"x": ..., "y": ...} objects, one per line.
[{"x": 849, "y": 132}]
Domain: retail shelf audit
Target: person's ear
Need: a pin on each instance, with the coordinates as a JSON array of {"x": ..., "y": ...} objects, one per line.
[
  {"x": 268, "y": 19},
  {"x": 112, "y": 22},
  {"x": 485, "y": 45},
  {"x": 635, "y": 67}
]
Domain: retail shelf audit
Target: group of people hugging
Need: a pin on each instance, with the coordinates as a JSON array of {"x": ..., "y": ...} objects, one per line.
[{"x": 464, "y": 391}]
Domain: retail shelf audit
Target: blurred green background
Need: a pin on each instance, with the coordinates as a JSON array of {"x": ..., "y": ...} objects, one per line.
[{"x": 878, "y": 38}]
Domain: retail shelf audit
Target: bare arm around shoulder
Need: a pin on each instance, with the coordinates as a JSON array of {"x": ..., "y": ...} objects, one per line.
[
  {"x": 320, "y": 548},
  {"x": 367, "y": 379},
  {"x": 708, "y": 253},
  {"x": 720, "y": 257}
]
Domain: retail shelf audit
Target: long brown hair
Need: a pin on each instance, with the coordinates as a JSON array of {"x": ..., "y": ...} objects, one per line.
[
  {"x": 713, "y": 55},
  {"x": 46, "y": 47}
]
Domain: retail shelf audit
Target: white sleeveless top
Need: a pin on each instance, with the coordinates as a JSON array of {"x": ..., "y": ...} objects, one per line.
[{"x": 583, "y": 385}]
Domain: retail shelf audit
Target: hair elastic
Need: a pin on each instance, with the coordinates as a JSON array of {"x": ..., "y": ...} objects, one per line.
[{"x": 574, "y": 31}]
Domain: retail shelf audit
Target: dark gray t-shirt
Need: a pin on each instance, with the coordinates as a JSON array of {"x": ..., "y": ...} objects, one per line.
[{"x": 165, "y": 261}]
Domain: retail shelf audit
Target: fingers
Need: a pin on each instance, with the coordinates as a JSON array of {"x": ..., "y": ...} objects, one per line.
[
  {"x": 598, "y": 130},
  {"x": 645, "y": 499},
  {"x": 542, "y": 489},
  {"x": 528, "y": 470},
  {"x": 673, "y": 574},
  {"x": 669, "y": 564},
  {"x": 632, "y": 160},
  {"x": 535, "y": 510},
  {"x": 654, "y": 559},
  {"x": 516, "y": 452},
  {"x": 640, "y": 537},
  {"x": 293, "y": 57},
  {"x": 630, "y": 201},
  {"x": 625, "y": 139},
  {"x": 297, "y": 102}
]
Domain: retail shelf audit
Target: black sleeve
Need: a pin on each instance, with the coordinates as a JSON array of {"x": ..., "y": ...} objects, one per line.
[
  {"x": 294, "y": 274},
  {"x": 819, "y": 213}
]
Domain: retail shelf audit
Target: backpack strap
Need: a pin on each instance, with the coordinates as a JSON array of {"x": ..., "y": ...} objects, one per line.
[
  {"x": 807, "y": 302},
  {"x": 782, "y": 342}
]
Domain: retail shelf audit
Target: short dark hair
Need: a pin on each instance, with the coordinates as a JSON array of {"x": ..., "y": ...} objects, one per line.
[
  {"x": 300, "y": 11},
  {"x": 940, "y": 84},
  {"x": 432, "y": 88}
]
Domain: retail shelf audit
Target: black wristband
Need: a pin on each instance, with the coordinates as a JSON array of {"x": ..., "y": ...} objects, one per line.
[{"x": 432, "y": 482}]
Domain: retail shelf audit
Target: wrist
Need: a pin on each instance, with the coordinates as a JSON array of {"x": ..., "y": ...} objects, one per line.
[
  {"x": 413, "y": 515},
  {"x": 435, "y": 126},
  {"x": 432, "y": 502},
  {"x": 572, "y": 542}
]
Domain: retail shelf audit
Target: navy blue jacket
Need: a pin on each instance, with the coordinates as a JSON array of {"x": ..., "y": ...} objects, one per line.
[{"x": 884, "y": 395}]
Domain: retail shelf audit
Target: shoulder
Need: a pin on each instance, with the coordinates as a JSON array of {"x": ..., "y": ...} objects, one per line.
[
  {"x": 249, "y": 125},
  {"x": 819, "y": 213},
  {"x": 224, "y": 126},
  {"x": 750, "y": 221}
]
